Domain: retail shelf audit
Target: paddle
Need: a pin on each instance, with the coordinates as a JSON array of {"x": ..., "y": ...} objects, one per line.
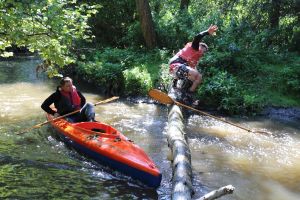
[
  {"x": 60, "y": 117},
  {"x": 165, "y": 99}
]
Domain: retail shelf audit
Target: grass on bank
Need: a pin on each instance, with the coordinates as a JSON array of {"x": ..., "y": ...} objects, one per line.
[{"x": 240, "y": 89}]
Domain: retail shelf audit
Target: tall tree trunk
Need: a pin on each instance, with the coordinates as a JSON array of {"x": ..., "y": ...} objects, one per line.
[
  {"x": 274, "y": 13},
  {"x": 184, "y": 4},
  {"x": 144, "y": 12}
]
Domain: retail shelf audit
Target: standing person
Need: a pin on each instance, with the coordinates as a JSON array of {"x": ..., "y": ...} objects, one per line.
[
  {"x": 183, "y": 64},
  {"x": 67, "y": 99}
]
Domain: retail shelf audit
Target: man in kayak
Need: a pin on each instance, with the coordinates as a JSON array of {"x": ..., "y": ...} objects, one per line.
[
  {"x": 67, "y": 99},
  {"x": 183, "y": 64}
]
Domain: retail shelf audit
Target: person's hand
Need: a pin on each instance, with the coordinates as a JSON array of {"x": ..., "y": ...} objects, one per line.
[
  {"x": 212, "y": 29},
  {"x": 56, "y": 115}
]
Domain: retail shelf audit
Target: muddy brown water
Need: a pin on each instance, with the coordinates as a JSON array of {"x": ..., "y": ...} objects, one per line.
[{"x": 37, "y": 165}]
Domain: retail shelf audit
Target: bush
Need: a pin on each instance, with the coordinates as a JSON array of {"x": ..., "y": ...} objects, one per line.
[
  {"x": 122, "y": 71},
  {"x": 107, "y": 76},
  {"x": 243, "y": 84},
  {"x": 223, "y": 91},
  {"x": 291, "y": 77},
  {"x": 137, "y": 81},
  {"x": 165, "y": 77},
  {"x": 220, "y": 88}
]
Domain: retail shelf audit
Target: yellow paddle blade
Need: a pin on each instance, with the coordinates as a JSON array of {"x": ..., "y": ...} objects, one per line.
[{"x": 160, "y": 96}]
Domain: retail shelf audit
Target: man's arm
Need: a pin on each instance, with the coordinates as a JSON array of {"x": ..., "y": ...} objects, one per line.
[
  {"x": 197, "y": 39},
  {"x": 210, "y": 31},
  {"x": 46, "y": 104}
]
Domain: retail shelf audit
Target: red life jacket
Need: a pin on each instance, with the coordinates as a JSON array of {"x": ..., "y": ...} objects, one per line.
[
  {"x": 73, "y": 97},
  {"x": 190, "y": 55}
]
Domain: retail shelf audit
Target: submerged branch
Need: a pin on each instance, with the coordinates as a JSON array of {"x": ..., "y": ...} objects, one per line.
[{"x": 228, "y": 189}]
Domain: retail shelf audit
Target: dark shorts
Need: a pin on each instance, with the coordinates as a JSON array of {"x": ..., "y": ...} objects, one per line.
[{"x": 180, "y": 70}]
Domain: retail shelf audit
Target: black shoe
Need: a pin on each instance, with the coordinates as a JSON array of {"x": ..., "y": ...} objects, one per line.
[{"x": 196, "y": 104}]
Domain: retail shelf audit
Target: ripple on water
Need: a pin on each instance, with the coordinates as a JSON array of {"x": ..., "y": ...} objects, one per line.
[{"x": 258, "y": 158}]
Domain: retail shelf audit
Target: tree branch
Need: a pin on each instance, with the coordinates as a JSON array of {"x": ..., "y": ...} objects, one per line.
[
  {"x": 35, "y": 34},
  {"x": 228, "y": 189},
  {"x": 30, "y": 35}
]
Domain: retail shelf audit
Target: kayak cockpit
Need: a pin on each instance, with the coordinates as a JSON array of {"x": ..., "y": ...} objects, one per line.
[{"x": 100, "y": 129}]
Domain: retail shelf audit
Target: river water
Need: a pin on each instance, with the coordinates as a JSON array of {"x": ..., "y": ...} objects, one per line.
[{"x": 37, "y": 165}]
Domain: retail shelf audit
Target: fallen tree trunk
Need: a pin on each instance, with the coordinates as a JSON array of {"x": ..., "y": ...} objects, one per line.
[
  {"x": 182, "y": 188},
  {"x": 181, "y": 156}
]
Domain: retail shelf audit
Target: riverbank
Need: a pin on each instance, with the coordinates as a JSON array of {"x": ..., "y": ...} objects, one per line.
[
  {"x": 130, "y": 73},
  {"x": 234, "y": 91},
  {"x": 285, "y": 114}
]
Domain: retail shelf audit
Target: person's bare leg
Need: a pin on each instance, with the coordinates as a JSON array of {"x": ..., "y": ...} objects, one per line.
[{"x": 196, "y": 77}]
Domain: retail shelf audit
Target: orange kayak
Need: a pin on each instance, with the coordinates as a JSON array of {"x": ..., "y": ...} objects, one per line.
[{"x": 109, "y": 147}]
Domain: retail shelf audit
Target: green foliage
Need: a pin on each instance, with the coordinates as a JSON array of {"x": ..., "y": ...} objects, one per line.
[
  {"x": 114, "y": 55},
  {"x": 116, "y": 24},
  {"x": 48, "y": 27},
  {"x": 291, "y": 77},
  {"x": 134, "y": 36},
  {"x": 165, "y": 77},
  {"x": 105, "y": 69},
  {"x": 137, "y": 81},
  {"x": 222, "y": 90},
  {"x": 248, "y": 58},
  {"x": 122, "y": 71},
  {"x": 242, "y": 24},
  {"x": 108, "y": 76},
  {"x": 282, "y": 76}
]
